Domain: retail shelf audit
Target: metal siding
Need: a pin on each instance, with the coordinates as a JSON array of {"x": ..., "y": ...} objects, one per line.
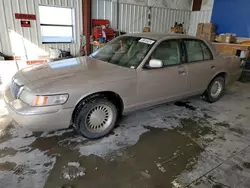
[
  {"x": 100, "y": 10},
  {"x": 94, "y": 9},
  {"x": 113, "y": 11},
  {"x": 5, "y": 42},
  {"x": 163, "y": 18},
  {"x": 132, "y": 18},
  {"x": 203, "y": 16},
  {"x": 104, "y": 10},
  {"x": 31, "y": 35},
  {"x": 1, "y": 28}
]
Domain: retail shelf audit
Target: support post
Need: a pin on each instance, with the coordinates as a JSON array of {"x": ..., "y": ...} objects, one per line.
[
  {"x": 86, "y": 17},
  {"x": 118, "y": 15}
]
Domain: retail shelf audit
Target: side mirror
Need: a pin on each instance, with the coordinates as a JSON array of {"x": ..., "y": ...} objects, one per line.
[{"x": 155, "y": 63}]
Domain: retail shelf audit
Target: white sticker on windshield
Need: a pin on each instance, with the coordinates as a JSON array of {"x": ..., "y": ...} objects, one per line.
[{"x": 147, "y": 41}]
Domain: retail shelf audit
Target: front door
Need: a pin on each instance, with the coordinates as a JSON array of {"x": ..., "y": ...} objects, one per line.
[
  {"x": 168, "y": 82},
  {"x": 200, "y": 64}
]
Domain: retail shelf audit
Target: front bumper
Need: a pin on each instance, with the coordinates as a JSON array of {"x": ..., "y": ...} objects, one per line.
[{"x": 37, "y": 118}]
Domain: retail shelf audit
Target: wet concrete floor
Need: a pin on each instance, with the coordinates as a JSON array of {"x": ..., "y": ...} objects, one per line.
[{"x": 185, "y": 144}]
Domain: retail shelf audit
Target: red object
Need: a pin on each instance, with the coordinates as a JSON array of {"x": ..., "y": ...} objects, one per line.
[
  {"x": 25, "y": 23},
  {"x": 99, "y": 22},
  {"x": 97, "y": 33},
  {"x": 25, "y": 16},
  {"x": 43, "y": 57},
  {"x": 97, "y": 30},
  {"x": 86, "y": 14},
  {"x": 32, "y": 62}
]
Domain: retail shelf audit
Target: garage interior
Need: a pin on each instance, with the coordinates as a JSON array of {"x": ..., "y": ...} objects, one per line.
[{"x": 187, "y": 143}]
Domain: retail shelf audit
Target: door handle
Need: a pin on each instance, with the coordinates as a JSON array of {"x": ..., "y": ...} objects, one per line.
[{"x": 212, "y": 67}]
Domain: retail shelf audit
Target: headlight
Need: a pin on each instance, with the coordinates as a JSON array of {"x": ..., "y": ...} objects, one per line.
[
  {"x": 50, "y": 100},
  {"x": 43, "y": 100}
]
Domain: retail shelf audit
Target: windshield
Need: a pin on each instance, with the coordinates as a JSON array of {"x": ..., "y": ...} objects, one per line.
[{"x": 124, "y": 51}]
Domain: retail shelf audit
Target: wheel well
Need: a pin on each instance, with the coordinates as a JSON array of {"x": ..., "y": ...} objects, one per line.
[
  {"x": 109, "y": 95},
  {"x": 222, "y": 74}
]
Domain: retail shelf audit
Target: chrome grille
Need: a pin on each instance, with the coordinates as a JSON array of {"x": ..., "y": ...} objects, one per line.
[{"x": 15, "y": 88}]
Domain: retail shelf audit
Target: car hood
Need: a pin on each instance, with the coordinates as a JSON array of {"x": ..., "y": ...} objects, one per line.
[{"x": 70, "y": 73}]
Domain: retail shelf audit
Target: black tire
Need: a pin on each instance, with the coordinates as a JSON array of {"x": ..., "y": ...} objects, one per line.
[
  {"x": 84, "y": 110},
  {"x": 208, "y": 93}
]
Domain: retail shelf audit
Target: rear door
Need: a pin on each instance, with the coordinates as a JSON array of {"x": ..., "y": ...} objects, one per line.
[{"x": 200, "y": 63}]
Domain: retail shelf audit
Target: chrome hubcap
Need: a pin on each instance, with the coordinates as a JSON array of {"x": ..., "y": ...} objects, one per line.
[
  {"x": 216, "y": 89},
  {"x": 99, "y": 118}
]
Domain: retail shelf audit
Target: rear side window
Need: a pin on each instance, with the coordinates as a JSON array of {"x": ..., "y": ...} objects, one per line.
[
  {"x": 197, "y": 51},
  {"x": 206, "y": 51}
]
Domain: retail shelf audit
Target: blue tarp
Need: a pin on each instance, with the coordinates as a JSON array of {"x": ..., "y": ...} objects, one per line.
[{"x": 232, "y": 16}]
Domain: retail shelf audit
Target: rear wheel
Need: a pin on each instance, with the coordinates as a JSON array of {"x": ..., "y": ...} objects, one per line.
[
  {"x": 96, "y": 118},
  {"x": 215, "y": 89}
]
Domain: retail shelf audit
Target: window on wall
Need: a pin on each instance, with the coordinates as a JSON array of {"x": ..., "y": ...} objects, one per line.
[{"x": 56, "y": 24}]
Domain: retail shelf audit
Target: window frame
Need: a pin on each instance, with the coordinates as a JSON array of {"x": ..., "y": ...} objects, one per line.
[
  {"x": 182, "y": 54},
  {"x": 58, "y": 25},
  {"x": 200, "y": 42},
  {"x": 211, "y": 52}
]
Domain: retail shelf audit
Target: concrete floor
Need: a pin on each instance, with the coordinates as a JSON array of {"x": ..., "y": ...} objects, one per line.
[{"x": 186, "y": 144}]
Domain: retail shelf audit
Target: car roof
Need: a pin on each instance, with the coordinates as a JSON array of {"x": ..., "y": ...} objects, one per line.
[{"x": 157, "y": 36}]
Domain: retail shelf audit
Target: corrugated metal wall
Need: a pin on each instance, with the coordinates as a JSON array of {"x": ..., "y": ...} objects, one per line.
[
  {"x": 196, "y": 17},
  {"x": 163, "y": 19},
  {"x": 8, "y": 8},
  {"x": 102, "y": 9},
  {"x": 132, "y": 18}
]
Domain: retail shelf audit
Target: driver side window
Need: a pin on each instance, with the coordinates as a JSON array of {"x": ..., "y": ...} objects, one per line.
[{"x": 168, "y": 52}]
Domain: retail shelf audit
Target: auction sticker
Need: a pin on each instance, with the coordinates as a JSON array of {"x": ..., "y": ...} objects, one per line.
[{"x": 146, "y": 41}]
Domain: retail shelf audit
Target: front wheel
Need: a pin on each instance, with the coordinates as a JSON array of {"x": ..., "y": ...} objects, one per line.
[
  {"x": 215, "y": 89},
  {"x": 96, "y": 118}
]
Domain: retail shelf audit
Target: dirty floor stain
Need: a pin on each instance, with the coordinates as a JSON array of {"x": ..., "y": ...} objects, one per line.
[
  {"x": 168, "y": 148},
  {"x": 185, "y": 144}
]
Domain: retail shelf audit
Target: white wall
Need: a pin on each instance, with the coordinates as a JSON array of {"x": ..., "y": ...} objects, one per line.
[
  {"x": 207, "y": 5},
  {"x": 172, "y": 4},
  {"x": 30, "y": 38},
  {"x": 202, "y": 16},
  {"x": 32, "y": 35},
  {"x": 133, "y": 17}
]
